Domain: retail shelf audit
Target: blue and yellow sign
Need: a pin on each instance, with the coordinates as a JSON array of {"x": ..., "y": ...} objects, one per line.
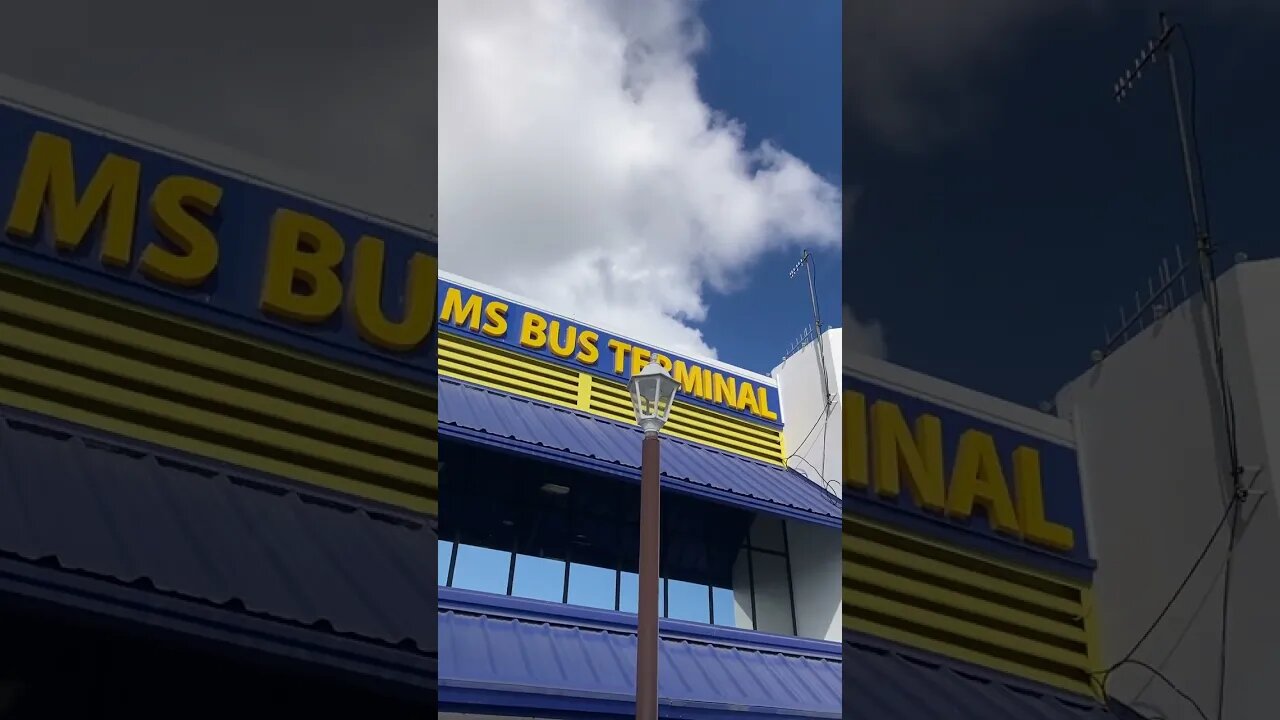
[
  {"x": 491, "y": 319},
  {"x": 179, "y": 237},
  {"x": 954, "y": 473}
]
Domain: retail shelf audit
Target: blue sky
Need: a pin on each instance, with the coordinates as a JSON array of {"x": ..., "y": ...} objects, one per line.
[
  {"x": 775, "y": 65},
  {"x": 993, "y": 255}
]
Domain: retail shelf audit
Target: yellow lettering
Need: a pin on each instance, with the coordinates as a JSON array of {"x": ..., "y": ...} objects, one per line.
[
  {"x": 49, "y": 177},
  {"x": 620, "y": 350},
  {"x": 689, "y": 378},
  {"x": 639, "y": 358},
  {"x": 855, "y": 440},
  {"x": 898, "y": 452},
  {"x": 747, "y": 398},
  {"x": 172, "y": 205},
  {"x": 533, "y": 330},
  {"x": 765, "y": 411},
  {"x": 663, "y": 361},
  {"x": 1031, "y": 515},
  {"x": 367, "y": 275},
  {"x": 588, "y": 347},
  {"x": 565, "y": 349},
  {"x": 725, "y": 391},
  {"x": 495, "y": 319},
  {"x": 461, "y": 313},
  {"x": 977, "y": 478},
  {"x": 302, "y": 251}
]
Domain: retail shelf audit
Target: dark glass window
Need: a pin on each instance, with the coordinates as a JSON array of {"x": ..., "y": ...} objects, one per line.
[{"x": 579, "y": 546}]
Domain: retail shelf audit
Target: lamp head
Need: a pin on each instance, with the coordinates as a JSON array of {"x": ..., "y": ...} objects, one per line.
[{"x": 653, "y": 392}]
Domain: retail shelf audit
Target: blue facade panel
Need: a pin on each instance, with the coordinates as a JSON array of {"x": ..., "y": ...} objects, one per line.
[
  {"x": 238, "y": 548},
  {"x": 537, "y": 666},
  {"x": 886, "y": 682},
  {"x": 496, "y": 419}
]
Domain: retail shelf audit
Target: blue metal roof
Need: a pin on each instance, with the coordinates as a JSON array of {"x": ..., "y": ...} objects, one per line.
[
  {"x": 495, "y": 662},
  {"x": 887, "y": 682},
  {"x": 476, "y": 414},
  {"x": 305, "y": 570}
]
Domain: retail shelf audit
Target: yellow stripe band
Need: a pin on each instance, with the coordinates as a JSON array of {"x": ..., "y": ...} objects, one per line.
[{"x": 106, "y": 364}]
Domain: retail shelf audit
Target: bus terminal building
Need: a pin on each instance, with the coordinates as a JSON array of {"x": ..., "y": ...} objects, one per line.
[
  {"x": 538, "y": 549},
  {"x": 217, "y": 432},
  {"x": 968, "y": 563}
]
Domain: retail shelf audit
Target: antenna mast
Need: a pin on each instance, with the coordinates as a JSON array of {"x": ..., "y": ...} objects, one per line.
[
  {"x": 806, "y": 260},
  {"x": 1157, "y": 47}
]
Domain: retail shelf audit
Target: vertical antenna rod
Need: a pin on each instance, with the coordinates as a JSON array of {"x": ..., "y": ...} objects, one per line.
[{"x": 807, "y": 261}]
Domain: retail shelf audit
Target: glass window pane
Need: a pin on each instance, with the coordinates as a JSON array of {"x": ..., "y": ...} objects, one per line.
[
  {"x": 483, "y": 569},
  {"x": 766, "y": 534},
  {"x": 538, "y": 578},
  {"x": 592, "y": 586},
  {"x": 444, "y": 553},
  {"x": 629, "y": 591},
  {"x": 738, "y": 597},
  {"x": 688, "y": 601},
  {"x": 727, "y": 610},
  {"x": 773, "y": 594}
]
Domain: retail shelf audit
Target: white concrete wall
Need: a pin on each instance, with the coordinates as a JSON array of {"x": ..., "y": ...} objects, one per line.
[
  {"x": 1148, "y": 426},
  {"x": 816, "y": 570},
  {"x": 801, "y": 397},
  {"x": 815, "y": 581}
]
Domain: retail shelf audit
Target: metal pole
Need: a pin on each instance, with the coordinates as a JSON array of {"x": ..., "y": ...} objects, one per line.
[
  {"x": 1197, "y": 218},
  {"x": 650, "y": 546},
  {"x": 817, "y": 336}
]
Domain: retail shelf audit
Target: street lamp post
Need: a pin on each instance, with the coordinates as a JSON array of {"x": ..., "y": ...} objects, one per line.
[{"x": 652, "y": 392}]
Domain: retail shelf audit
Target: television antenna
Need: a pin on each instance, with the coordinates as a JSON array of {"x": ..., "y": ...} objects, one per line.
[{"x": 806, "y": 262}]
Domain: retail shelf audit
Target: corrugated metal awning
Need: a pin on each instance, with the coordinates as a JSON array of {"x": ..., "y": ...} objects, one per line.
[
  {"x": 883, "y": 681},
  {"x": 541, "y": 666},
  {"x": 480, "y": 415},
  {"x": 118, "y": 528}
]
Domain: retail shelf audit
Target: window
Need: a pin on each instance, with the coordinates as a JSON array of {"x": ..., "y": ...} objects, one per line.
[
  {"x": 629, "y": 592},
  {"x": 586, "y": 557},
  {"x": 444, "y": 559},
  {"x": 725, "y": 610},
  {"x": 483, "y": 569},
  {"x": 538, "y": 578},
  {"x": 688, "y": 601},
  {"x": 591, "y": 586}
]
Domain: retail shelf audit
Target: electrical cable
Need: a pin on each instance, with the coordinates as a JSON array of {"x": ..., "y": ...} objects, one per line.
[
  {"x": 1210, "y": 285},
  {"x": 1176, "y": 593},
  {"x": 825, "y": 416},
  {"x": 1168, "y": 682}
]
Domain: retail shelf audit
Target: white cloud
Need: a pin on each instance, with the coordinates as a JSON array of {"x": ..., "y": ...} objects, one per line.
[
  {"x": 863, "y": 337},
  {"x": 579, "y": 167}
]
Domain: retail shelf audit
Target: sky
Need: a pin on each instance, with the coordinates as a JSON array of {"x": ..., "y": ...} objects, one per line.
[
  {"x": 654, "y": 168},
  {"x": 658, "y": 173},
  {"x": 348, "y": 99},
  {"x": 1007, "y": 206}
]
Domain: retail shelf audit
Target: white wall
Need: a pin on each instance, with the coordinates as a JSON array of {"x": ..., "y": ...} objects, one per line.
[
  {"x": 1148, "y": 425},
  {"x": 801, "y": 397},
  {"x": 816, "y": 570}
]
